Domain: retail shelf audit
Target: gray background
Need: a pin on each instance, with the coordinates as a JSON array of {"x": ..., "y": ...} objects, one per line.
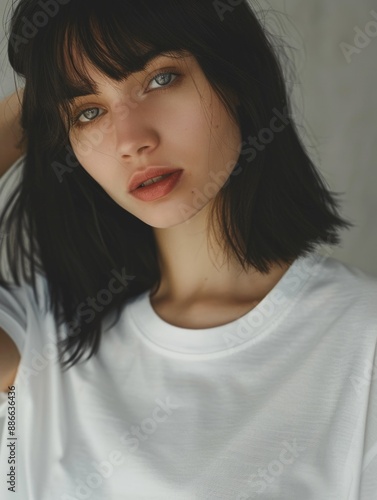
[{"x": 335, "y": 104}]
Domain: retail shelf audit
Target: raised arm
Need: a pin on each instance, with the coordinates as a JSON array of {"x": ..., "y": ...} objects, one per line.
[{"x": 10, "y": 131}]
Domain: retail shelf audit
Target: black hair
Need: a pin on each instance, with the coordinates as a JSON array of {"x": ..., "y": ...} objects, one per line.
[{"x": 275, "y": 206}]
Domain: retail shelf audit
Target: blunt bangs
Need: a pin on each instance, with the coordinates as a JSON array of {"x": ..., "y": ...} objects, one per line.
[{"x": 116, "y": 41}]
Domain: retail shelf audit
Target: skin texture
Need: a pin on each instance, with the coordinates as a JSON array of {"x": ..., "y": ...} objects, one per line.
[{"x": 175, "y": 122}]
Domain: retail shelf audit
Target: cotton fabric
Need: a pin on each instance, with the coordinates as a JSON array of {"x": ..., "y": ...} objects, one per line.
[{"x": 279, "y": 404}]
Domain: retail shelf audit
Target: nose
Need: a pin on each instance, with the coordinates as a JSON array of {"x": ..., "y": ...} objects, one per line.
[{"x": 134, "y": 134}]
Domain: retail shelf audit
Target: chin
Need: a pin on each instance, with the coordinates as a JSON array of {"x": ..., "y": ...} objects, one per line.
[
  {"x": 164, "y": 223},
  {"x": 167, "y": 220},
  {"x": 163, "y": 217}
]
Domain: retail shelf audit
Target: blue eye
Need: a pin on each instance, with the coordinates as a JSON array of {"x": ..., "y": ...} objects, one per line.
[
  {"x": 166, "y": 78},
  {"x": 91, "y": 114}
]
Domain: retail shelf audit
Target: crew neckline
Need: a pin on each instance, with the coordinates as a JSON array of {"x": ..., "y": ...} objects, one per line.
[{"x": 233, "y": 336}]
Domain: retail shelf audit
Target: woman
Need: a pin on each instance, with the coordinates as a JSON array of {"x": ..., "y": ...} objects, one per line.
[{"x": 164, "y": 181}]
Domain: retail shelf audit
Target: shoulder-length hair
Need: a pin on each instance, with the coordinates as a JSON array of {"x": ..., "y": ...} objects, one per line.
[{"x": 274, "y": 207}]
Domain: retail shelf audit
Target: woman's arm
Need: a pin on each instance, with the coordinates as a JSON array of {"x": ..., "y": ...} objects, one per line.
[{"x": 10, "y": 131}]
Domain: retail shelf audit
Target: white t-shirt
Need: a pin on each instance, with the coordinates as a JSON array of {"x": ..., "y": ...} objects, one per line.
[{"x": 279, "y": 404}]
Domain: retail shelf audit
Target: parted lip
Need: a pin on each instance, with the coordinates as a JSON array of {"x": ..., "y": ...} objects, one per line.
[{"x": 148, "y": 173}]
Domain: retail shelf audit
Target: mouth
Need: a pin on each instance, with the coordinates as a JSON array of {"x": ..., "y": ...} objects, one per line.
[
  {"x": 157, "y": 188},
  {"x": 144, "y": 179},
  {"x": 153, "y": 180}
]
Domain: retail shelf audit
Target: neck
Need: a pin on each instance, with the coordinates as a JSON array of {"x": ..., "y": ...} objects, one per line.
[{"x": 193, "y": 269}]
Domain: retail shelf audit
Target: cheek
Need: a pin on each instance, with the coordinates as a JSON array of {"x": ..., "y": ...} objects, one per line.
[
  {"x": 85, "y": 147},
  {"x": 86, "y": 150},
  {"x": 80, "y": 148},
  {"x": 90, "y": 160},
  {"x": 188, "y": 115}
]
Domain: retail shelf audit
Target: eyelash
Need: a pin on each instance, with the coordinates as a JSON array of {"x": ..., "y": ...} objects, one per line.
[{"x": 76, "y": 120}]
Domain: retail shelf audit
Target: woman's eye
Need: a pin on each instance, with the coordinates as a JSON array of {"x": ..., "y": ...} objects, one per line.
[
  {"x": 89, "y": 115},
  {"x": 164, "y": 79}
]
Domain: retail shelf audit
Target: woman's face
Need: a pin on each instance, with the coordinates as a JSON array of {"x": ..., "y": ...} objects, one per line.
[{"x": 174, "y": 120}]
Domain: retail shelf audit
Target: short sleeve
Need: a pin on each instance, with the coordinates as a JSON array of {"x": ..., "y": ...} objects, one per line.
[
  {"x": 12, "y": 301},
  {"x": 13, "y": 320},
  {"x": 368, "y": 481}
]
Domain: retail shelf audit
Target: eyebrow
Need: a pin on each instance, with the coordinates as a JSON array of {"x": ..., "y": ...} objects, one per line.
[{"x": 76, "y": 91}]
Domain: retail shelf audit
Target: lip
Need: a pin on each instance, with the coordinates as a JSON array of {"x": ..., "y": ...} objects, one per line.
[
  {"x": 160, "y": 189},
  {"x": 147, "y": 174}
]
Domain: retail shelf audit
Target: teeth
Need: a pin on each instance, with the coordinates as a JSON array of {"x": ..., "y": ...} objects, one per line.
[{"x": 154, "y": 180}]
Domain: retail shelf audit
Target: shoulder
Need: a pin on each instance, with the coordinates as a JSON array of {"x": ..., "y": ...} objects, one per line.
[
  {"x": 26, "y": 296},
  {"x": 338, "y": 293},
  {"x": 329, "y": 277},
  {"x": 350, "y": 282},
  {"x": 348, "y": 297}
]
